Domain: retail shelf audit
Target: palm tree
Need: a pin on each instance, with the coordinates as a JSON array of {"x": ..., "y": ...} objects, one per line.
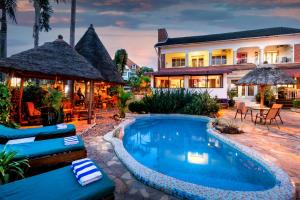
[
  {"x": 120, "y": 60},
  {"x": 8, "y": 7},
  {"x": 73, "y": 21},
  {"x": 43, "y": 11}
]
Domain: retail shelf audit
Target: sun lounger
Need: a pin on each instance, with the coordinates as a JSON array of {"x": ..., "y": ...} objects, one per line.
[
  {"x": 41, "y": 133},
  {"x": 57, "y": 184},
  {"x": 46, "y": 154}
]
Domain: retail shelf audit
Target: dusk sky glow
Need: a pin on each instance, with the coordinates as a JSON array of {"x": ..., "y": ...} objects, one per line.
[{"x": 133, "y": 24}]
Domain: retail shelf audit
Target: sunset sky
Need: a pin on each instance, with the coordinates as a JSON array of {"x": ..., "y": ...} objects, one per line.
[{"x": 133, "y": 24}]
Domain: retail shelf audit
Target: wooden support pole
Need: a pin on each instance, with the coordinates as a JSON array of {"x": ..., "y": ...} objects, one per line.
[
  {"x": 262, "y": 95},
  {"x": 91, "y": 97},
  {"x": 20, "y": 101},
  {"x": 85, "y": 89}
]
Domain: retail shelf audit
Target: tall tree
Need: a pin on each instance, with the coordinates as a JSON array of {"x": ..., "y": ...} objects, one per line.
[
  {"x": 73, "y": 21},
  {"x": 42, "y": 14},
  {"x": 120, "y": 60},
  {"x": 8, "y": 8}
]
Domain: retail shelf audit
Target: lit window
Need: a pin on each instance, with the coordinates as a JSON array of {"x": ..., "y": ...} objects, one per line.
[
  {"x": 207, "y": 81},
  {"x": 178, "y": 62},
  {"x": 250, "y": 90},
  {"x": 169, "y": 82}
]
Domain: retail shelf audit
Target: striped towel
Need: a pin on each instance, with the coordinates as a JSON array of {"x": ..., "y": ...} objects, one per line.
[
  {"x": 85, "y": 171},
  {"x": 61, "y": 126},
  {"x": 71, "y": 140}
]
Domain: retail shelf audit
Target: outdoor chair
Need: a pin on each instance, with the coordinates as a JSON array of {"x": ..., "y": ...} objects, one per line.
[
  {"x": 68, "y": 110},
  {"x": 242, "y": 110},
  {"x": 279, "y": 106},
  {"x": 270, "y": 116},
  {"x": 58, "y": 184},
  {"x": 41, "y": 133},
  {"x": 32, "y": 113},
  {"x": 45, "y": 155}
]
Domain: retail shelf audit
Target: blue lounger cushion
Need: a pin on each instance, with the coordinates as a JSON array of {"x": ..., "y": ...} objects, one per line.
[
  {"x": 42, "y": 148},
  {"x": 10, "y": 133},
  {"x": 57, "y": 184}
]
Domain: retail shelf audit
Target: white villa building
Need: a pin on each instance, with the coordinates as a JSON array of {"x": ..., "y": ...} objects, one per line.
[
  {"x": 130, "y": 70},
  {"x": 215, "y": 62}
]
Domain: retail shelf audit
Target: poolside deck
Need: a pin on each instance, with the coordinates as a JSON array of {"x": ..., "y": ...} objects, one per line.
[{"x": 281, "y": 146}]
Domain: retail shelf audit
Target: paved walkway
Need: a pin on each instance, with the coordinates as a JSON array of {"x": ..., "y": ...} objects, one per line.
[{"x": 281, "y": 146}]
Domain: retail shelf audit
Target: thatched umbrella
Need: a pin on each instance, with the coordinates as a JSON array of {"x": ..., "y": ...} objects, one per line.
[
  {"x": 90, "y": 47},
  {"x": 265, "y": 75}
]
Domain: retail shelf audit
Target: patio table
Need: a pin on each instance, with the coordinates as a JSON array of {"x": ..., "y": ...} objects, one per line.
[{"x": 258, "y": 108}]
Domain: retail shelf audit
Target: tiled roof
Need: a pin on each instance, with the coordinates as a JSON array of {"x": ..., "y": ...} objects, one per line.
[
  {"x": 230, "y": 36},
  {"x": 221, "y": 69}
]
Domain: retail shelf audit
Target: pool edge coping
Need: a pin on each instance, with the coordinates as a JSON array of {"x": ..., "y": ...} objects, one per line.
[{"x": 183, "y": 189}]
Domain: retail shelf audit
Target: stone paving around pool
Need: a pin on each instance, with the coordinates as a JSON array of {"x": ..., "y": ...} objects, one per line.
[
  {"x": 281, "y": 146},
  {"x": 278, "y": 145}
]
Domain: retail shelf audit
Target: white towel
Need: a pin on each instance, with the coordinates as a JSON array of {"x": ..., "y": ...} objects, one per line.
[
  {"x": 85, "y": 171},
  {"x": 61, "y": 126},
  {"x": 71, "y": 140}
]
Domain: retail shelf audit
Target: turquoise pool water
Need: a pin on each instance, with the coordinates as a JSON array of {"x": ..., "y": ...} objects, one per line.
[{"x": 181, "y": 148}]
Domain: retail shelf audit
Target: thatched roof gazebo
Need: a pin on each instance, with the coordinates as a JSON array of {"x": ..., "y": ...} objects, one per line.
[
  {"x": 50, "y": 61},
  {"x": 53, "y": 60},
  {"x": 265, "y": 75},
  {"x": 90, "y": 47}
]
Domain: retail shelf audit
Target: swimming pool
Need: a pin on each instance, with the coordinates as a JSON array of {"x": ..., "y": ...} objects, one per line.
[{"x": 180, "y": 148}]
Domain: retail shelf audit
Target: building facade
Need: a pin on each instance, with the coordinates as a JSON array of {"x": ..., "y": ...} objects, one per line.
[
  {"x": 130, "y": 70},
  {"x": 216, "y": 62}
]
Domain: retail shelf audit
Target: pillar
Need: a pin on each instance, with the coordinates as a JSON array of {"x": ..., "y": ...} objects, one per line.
[
  {"x": 261, "y": 56},
  {"x": 186, "y": 59},
  {"x": 20, "y": 101},
  {"x": 234, "y": 57},
  {"x": 186, "y": 82},
  {"x": 91, "y": 98},
  {"x": 210, "y": 58}
]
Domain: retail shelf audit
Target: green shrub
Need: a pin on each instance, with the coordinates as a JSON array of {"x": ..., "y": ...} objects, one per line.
[
  {"x": 169, "y": 101},
  {"x": 123, "y": 98},
  {"x": 11, "y": 170},
  {"x": 176, "y": 101},
  {"x": 296, "y": 103},
  {"x": 35, "y": 94},
  {"x": 5, "y": 103},
  {"x": 269, "y": 97},
  {"x": 202, "y": 104},
  {"x": 138, "y": 107}
]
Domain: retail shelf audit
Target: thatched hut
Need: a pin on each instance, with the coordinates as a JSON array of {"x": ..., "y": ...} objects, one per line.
[
  {"x": 54, "y": 60},
  {"x": 90, "y": 47},
  {"x": 265, "y": 75}
]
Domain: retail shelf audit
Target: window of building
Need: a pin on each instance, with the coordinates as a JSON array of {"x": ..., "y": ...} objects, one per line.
[
  {"x": 241, "y": 58},
  {"x": 250, "y": 90},
  {"x": 218, "y": 60},
  {"x": 178, "y": 62},
  {"x": 233, "y": 85},
  {"x": 243, "y": 90},
  {"x": 169, "y": 82},
  {"x": 198, "y": 82},
  {"x": 197, "y": 61},
  {"x": 271, "y": 57},
  {"x": 207, "y": 81},
  {"x": 161, "y": 82},
  {"x": 176, "y": 82}
]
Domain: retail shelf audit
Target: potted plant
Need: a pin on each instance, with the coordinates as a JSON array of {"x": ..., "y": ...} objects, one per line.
[
  {"x": 52, "y": 112},
  {"x": 296, "y": 106},
  {"x": 11, "y": 170},
  {"x": 231, "y": 94},
  {"x": 123, "y": 98}
]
